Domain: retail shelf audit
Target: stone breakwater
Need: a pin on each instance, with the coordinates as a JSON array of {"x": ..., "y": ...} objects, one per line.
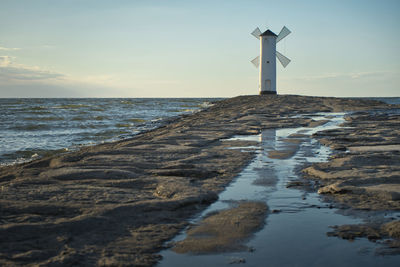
[{"x": 118, "y": 203}]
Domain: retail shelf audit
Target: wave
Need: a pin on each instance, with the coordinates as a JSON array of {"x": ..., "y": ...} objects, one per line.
[
  {"x": 206, "y": 104},
  {"x": 127, "y": 102},
  {"x": 27, "y": 155},
  {"x": 30, "y": 127},
  {"x": 100, "y": 118},
  {"x": 38, "y": 108},
  {"x": 79, "y": 118},
  {"x": 89, "y": 126},
  {"x": 110, "y": 135},
  {"x": 196, "y": 105},
  {"x": 43, "y": 118},
  {"x": 122, "y": 125},
  {"x": 137, "y": 120},
  {"x": 96, "y": 109},
  {"x": 71, "y": 106},
  {"x": 189, "y": 110},
  {"x": 182, "y": 110},
  {"x": 37, "y": 112}
]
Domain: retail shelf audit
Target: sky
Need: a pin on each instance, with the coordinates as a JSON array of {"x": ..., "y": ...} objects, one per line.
[{"x": 170, "y": 48}]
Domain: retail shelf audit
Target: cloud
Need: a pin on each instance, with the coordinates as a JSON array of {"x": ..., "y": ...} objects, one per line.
[
  {"x": 19, "y": 80},
  {"x": 11, "y": 71},
  {"x": 5, "y": 61},
  {"x": 16, "y": 78},
  {"x": 47, "y": 46},
  {"x": 9, "y": 48}
]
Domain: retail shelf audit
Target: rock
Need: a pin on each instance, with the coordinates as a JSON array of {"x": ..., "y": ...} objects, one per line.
[
  {"x": 295, "y": 184},
  {"x": 333, "y": 189},
  {"x": 392, "y": 229},
  {"x": 225, "y": 230},
  {"x": 237, "y": 260}
]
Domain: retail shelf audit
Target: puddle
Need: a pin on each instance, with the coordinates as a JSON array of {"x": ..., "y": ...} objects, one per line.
[{"x": 295, "y": 233}]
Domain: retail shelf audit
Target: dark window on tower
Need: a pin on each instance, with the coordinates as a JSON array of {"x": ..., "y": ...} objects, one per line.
[{"x": 267, "y": 61}]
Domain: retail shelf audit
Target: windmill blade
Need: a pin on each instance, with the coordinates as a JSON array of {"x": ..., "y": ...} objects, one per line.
[
  {"x": 256, "y": 61},
  {"x": 284, "y": 32},
  {"x": 284, "y": 60},
  {"x": 256, "y": 33}
]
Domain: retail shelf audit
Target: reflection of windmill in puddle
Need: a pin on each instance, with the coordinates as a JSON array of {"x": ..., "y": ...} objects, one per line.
[
  {"x": 266, "y": 174},
  {"x": 268, "y": 140}
]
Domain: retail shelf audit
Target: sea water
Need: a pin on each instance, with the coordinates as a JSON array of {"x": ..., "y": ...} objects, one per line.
[{"x": 35, "y": 127}]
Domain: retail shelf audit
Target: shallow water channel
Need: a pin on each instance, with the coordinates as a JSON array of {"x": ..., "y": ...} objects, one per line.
[{"x": 295, "y": 229}]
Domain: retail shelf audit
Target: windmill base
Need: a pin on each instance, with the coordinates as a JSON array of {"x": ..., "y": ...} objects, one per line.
[{"x": 267, "y": 92}]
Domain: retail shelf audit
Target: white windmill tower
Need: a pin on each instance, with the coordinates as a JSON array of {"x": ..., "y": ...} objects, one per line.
[{"x": 266, "y": 61}]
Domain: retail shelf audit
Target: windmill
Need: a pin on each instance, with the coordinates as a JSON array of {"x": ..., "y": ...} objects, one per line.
[{"x": 266, "y": 61}]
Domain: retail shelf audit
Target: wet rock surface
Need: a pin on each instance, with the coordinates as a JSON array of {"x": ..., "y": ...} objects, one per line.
[
  {"x": 364, "y": 173},
  {"x": 118, "y": 203},
  {"x": 367, "y": 177},
  {"x": 387, "y": 234}
]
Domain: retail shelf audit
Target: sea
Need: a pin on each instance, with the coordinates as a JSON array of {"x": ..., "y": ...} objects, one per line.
[{"x": 31, "y": 128}]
